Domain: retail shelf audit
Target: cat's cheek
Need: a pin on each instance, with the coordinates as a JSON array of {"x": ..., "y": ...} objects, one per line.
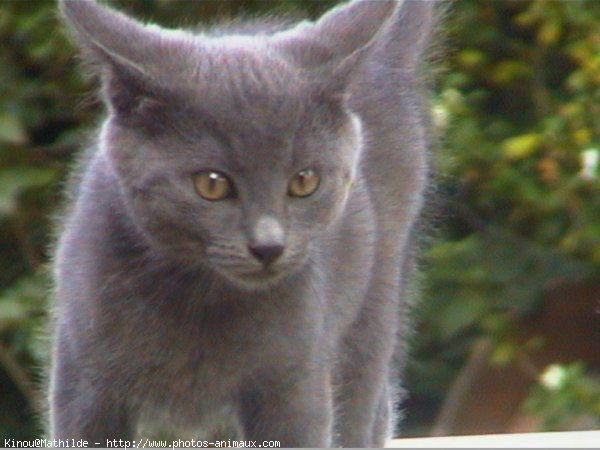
[
  {"x": 161, "y": 226},
  {"x": 337, "y": 204},
  {"x": 321, "y": 216}
]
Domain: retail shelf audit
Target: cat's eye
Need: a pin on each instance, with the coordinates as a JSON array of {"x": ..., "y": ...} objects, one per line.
[
  {"x": 213, "y": 186},
  {"x": 304, "y": 183}
]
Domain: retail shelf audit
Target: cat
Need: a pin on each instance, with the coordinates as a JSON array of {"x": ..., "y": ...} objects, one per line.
[{"x": 237, "y": 244}]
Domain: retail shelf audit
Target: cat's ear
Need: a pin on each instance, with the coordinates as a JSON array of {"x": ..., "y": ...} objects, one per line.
[
  {"x": 133, "y": 60},
  {"x": 331, "y": 85},
  {"x": 400, "y": 26},
  {"x": 393, "y": 33},
  {"x": 337, "y": 34},
  {"x": 404, "y": 38}
]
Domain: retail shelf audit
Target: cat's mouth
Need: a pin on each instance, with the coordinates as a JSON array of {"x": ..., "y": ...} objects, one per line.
[
  {"x": 254, "y": 274},
  {"x": 257, "y": 275}
]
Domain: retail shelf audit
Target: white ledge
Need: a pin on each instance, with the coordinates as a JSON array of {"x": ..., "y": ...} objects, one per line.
[{"x": 570, "y": 439}]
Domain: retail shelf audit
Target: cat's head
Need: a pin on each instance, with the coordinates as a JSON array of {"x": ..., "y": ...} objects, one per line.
[{"x": 238, "y": 151}]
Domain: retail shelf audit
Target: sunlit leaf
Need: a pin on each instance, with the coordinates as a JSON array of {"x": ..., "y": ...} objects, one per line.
[
  {"x": 522, "y": 146},
  {"x": 14, "y": 180},
  {"x": 12, "y": 129}
]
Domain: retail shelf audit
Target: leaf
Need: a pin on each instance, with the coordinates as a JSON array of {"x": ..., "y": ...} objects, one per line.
[
  {"x": 16, "y": 179},
  {"x": 12, "y": 130},
  {"x": 549, "y": 33},
  {"x": 503, "y": 354},
  {"x": 12, "y": 312},
  {"x": 23, "y": 299},
  {"x": 520, "y": 147},
  {"x": 508, "y": 71},
  {"x": 472, "y": 58},
  {"x": 461, "y": 313}
]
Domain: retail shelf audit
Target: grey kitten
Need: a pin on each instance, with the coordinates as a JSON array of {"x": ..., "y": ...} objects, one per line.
[{"x": 233, "y": 257}]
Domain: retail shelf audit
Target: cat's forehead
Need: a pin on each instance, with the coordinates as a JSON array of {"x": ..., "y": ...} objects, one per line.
[
  {"x": 243, "y": 85},
  {"x": 235, "y": 66}
]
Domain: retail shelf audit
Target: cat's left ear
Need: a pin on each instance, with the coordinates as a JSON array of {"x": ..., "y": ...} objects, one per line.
[
  {"x": 337, "y": 34},
  {"x": 332, "y": 47},
  {"x": 392, "y": 33},
  {"x": 332, "y": 80}
]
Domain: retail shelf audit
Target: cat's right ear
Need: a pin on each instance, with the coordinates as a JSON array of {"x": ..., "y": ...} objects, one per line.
[{"x": 133, "y": 60}]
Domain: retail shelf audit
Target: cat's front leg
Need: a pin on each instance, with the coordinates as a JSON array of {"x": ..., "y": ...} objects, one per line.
[
  {"x": 362, "y": 389},
  {"x": 383, "y": 426},
  {"x": 297, "y": 413},
  {"x": 362, "y": 420},
  {"x": 86, "y": 408}
]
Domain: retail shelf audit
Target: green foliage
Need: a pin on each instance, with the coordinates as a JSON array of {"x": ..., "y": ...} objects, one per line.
[
  {"x": 566, "y": 398},
  {"x": 519, "y": 175},
  {"x": 499, "y": 272},
  {"x": 518, "y": 105}
]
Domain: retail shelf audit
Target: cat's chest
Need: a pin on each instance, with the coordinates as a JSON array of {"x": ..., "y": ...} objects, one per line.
[
  {"x": 187, "y": 358},
  {"x": 185, "y": 376},
  {"x": 186, "y": 381},
  {"x": 198, "y": 349}
]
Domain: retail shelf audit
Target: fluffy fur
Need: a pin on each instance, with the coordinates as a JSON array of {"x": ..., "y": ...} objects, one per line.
[{"x": 163, "y": 317}]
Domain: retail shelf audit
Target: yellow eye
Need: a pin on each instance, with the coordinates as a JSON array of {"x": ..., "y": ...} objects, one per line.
[
  {"x": 304, "y": 183},
  {"x": 212, "y": 185}
]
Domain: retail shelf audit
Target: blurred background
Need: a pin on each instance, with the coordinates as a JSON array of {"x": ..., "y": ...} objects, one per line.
[{"x": 508, "y": 320}]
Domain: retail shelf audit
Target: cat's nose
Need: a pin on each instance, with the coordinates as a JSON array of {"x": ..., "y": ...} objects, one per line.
[
  {"x": 267, "y": 240},
  {"x": 266, "y": 254}
]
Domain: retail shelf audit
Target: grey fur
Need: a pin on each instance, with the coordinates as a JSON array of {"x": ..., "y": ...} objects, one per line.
[{"x": 162, "y": 314}]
